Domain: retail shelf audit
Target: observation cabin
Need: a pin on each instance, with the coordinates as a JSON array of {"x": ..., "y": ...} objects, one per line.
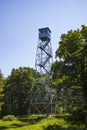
[{"x": 45, "y": 34}]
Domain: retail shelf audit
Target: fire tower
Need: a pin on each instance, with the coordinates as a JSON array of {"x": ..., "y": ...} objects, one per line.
[
  {"x": 43, "y": 95},
  {"x": 44, "y": 51}
]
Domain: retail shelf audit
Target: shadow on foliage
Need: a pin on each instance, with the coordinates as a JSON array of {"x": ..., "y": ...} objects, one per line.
[
  {"x": 16, "y": 125},
  {"x": 33, "y": 119},
  {"x": 71, "y": 118},
  {"x": 65, "y": 117},
  {"x": 3, "y": 127},
  {"x": 53, "y": 127},
  {"x": 10, "y": 126},
  {"x": 57, "y": 127}
]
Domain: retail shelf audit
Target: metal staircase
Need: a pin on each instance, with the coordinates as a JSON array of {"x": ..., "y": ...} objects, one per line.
[{"x": 43, "y": 95}]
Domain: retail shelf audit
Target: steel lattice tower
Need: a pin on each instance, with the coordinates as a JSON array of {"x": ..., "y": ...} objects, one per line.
[
  {"x": 44, "y": 56},
  {"x": 42, "y": 96}
]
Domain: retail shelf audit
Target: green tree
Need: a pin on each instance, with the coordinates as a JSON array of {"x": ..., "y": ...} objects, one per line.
[
  {"x": 1, "y": 90},
  {"x": 17, "y": 90},
  {"x": 70, "y": 70}
]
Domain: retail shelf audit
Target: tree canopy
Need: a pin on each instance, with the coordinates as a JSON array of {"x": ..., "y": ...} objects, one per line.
[
  {"x": 70, "y": 70},
  {"x": 17, "y": 91}
]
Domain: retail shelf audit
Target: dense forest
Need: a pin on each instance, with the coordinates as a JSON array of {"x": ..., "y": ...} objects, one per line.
[{"x": 69, "y": 79}]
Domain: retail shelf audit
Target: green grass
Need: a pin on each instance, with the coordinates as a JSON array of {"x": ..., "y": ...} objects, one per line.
[{"x": 40, "y": 122}]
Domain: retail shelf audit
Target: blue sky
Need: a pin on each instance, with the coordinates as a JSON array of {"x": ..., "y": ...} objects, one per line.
[{"x": 20, "y": 21}]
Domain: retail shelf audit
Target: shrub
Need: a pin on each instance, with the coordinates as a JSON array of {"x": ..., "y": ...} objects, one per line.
[{"x": 9, "y": 118}]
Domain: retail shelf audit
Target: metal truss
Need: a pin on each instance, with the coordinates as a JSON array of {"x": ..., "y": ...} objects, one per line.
[{"x": 43, "y": 96}]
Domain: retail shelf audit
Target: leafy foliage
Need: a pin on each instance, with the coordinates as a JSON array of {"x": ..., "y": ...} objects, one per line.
[
  {"x": 70, "y": 70},
  {"x": 16, "y": 91},
  {"x": 1, "y": 90},
  {"x": 59, "y": 122}
]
